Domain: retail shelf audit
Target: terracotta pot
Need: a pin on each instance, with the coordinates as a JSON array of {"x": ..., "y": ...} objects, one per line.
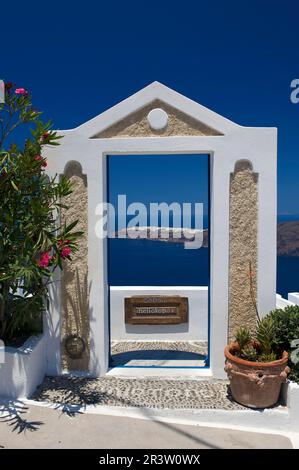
[{"x": 255, "y": 384}]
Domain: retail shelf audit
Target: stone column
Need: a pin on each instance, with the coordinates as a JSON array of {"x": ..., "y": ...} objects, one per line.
[
  {"x": 74, "y": 280},
  {"x": 243, "y": 229}
]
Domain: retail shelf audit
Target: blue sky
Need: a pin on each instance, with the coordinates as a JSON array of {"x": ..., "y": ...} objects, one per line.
[{"x": 237, "y": 58}]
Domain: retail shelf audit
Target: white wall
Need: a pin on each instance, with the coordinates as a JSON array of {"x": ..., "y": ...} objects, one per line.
[
  {"x": 23, "y": 369},
  {"x": 195, "y": 330}
]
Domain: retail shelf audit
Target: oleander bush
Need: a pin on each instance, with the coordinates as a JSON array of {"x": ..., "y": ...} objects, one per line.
[{"x": 32, "y": 243}]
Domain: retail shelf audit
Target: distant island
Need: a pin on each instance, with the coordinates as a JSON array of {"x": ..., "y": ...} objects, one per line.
[
  {"x": 287, "y": 236},
  {"x": 163, "y": 234}
]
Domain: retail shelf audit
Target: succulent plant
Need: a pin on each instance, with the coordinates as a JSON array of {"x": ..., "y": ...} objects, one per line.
[
  {"x": 267, "y": 357},
  {"x": 243, "y": 337},
  {"x": 265, "y": 334},
  {"x": 249, "y": 353}
]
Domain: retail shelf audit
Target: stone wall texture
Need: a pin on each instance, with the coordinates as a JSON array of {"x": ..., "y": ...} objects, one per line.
[
  {"x": 136, "y": 124},
  {"x": 74, "y": 281},
  {"x": 243, "y": 229}
]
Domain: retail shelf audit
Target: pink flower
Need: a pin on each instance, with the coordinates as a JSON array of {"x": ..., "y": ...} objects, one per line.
[
  {"x": 63, "y": 242},
  {"x": 8, "y": 86},
  {"x": 45, "y": 136},
  {"x": 44, "y": 260},
  {"x": 21, "y": 91},
  {"x": 65, "y": 252},
  {"x": 38, "y": 158}
]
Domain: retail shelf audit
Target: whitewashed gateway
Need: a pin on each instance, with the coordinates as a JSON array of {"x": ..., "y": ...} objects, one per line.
[{"x": 157, "y": 120}]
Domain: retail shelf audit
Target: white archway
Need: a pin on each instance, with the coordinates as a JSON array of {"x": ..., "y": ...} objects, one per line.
[{"x": 195, "y": 129}]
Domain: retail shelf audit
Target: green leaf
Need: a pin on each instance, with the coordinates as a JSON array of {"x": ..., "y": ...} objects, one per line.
[{"x": 14, "y": 185}]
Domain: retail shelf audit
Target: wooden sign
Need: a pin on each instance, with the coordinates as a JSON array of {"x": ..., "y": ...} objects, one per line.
[{"x": 156, "y": 310}]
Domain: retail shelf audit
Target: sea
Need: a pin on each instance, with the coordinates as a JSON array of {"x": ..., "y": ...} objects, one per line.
[{"x": 140, "y": 262}]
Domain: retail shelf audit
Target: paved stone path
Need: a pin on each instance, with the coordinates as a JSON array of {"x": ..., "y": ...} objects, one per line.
[
  {"x": 149, "y": 392},
  {"x": 52, "y": 429}
]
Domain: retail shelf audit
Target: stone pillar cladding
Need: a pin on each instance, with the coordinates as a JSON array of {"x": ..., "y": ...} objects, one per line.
[
  {"x": 74, "y": 281},
  {"x": 243, "y": 247}
]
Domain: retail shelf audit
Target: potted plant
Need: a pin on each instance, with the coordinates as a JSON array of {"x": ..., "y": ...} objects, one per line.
[{"x": 255, "y": 367}]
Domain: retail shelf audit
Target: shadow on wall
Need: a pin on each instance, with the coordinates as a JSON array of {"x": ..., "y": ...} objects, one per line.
[
  {"x": 75, "y": 321},
  {"x": 74, "y": 280}
]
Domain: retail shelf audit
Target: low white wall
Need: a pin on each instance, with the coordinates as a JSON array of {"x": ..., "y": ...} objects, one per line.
[
  {"x": 281, "y": 302},
  {"x": 23, "y": 368},
  {"x": 294, "y": 297},
  {"x": 195, "y": 330},
  {"x": 293, "y": 404}
]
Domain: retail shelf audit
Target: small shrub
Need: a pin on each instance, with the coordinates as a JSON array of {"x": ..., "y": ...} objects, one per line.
[{"x": 286, "y": 330}]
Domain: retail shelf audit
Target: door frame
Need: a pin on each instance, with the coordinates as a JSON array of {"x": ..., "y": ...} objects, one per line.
[{"x": 207, "y": 365}]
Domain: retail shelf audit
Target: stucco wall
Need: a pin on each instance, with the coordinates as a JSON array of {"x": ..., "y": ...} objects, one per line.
[
  {"x": 74, "y": 280},
  {"x": 243, "y": 225},
  {"x": 136, "y": 124}
]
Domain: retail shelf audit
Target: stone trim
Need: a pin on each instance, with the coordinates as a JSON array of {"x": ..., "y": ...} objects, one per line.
[
  {"x": 243, "y": 229},
  {"x": 136, "y": 124},
  {"x": 74, "y": 279}
]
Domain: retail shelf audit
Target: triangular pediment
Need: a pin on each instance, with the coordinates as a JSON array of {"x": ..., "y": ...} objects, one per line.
[
  {"x": 130, "y": 118},
  {"x": 137, "y": 124}
]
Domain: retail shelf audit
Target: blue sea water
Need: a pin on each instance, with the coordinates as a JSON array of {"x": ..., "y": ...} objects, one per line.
[{"x": 154, "y": 263}]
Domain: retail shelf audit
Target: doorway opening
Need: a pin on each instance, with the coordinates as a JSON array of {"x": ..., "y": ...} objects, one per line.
[{"x": 159, "y": 260}]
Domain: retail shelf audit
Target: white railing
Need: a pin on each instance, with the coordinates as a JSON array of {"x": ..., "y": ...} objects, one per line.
[{"x": 293, "y": 299}]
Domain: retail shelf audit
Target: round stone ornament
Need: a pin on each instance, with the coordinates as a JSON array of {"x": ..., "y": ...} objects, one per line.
[
  {"x": 157, "y": 119},
  {"x": 74, "y": 346}
]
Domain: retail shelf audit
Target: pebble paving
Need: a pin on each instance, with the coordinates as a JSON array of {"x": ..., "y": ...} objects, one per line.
[
  {"x": 155, "y": 392},
  {"x": 142, "y": 392}
]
